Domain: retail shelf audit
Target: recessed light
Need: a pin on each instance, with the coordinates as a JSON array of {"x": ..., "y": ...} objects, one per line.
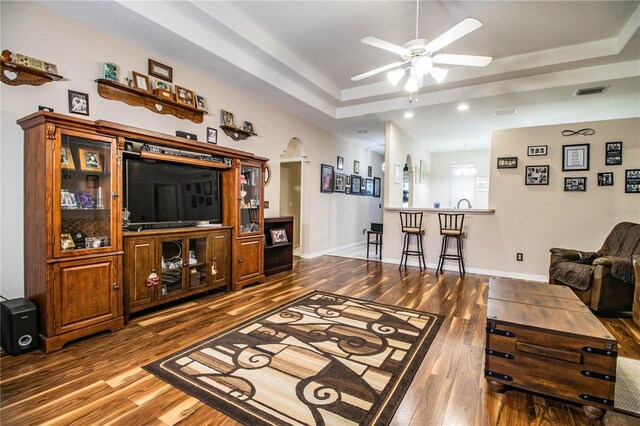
[
  {"x": 408, "y": 114},
  {"x": 463, "y": 107},
  {"x": 505, "y": 112}
]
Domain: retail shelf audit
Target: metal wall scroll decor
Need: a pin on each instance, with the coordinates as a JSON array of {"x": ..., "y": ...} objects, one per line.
[{"x": 582, "y": 132}]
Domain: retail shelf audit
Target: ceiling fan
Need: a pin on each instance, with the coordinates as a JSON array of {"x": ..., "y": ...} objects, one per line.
[{"x": 421, "y": 54}]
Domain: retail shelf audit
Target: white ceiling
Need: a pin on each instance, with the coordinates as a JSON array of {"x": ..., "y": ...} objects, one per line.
[{"x": 300, "y": 56}]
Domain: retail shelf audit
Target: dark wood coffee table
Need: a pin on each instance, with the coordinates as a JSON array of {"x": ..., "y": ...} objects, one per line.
[{"x": 542, "y": 338}]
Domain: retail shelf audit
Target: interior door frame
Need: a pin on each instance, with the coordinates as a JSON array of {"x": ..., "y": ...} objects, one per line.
[{"x": 302, "y": 161}]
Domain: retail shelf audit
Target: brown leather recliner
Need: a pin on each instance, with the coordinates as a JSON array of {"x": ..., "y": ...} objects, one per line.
[{"x": 603, "y": 280}]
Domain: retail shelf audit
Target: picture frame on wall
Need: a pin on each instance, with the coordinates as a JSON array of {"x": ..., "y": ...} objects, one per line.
[
  {"x": 377, "y": 184},
  {"x": 482, "y": 184},
  {"x": 78, "y": 102},
  {"x": 424, "y": 171},
  {"x": 397, "y": 175},
  {"x": 212, "y": 135},
  {"x": 369, "y": 171},
  {"x": 368, "y": 187},
  {"x": 339, "y": 182},
  {"x": 537, "y": 150},
  {"x": 613, "y": 153},
  {"x": 161, "y": 71},
  {"x": 536, "y": 175},
  {"x": 605, "y": 179},
  {"x": 632, "y": 181},
  {"x": 356, "y": 182},
  {"x": 507, "y": 162},
  {"x": 201, "y": 103},
  {"x": 575, "y": 157},
  {"x": 356, "y": 167},
  {"x": 326, "y": 178},
  {"x": 340, "y": 163},
  {"x": 575, "y": 184}
]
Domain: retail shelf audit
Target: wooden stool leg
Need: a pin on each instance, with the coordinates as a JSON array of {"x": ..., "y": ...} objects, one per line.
[
  {"x": 380, "y": 246},
  {"x": 404, "y": 249},
  {"x": 441, "y": 259},
  {"x": 424, "y": 263},
  {"x": 368, "y": 243}
]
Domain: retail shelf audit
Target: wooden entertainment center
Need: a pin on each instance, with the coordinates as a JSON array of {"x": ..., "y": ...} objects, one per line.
[{"x": 82, "y": 270}]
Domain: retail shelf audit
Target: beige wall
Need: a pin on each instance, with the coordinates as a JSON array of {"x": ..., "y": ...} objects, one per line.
[
  {"x": 79, "y": 50},
  {"x": 532, "y": 219},
  {"x": 399, "y": 146}
]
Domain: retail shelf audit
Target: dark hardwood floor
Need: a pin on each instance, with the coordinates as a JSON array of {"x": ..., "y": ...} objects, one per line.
[{"x": 99, "y": 380}]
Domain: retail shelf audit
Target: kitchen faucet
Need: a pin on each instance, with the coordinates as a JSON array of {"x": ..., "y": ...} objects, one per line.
[{"x": 464, "y": 199}]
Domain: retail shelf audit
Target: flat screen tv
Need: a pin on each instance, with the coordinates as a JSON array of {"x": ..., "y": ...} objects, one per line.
[{"x": 162, "y": 193}]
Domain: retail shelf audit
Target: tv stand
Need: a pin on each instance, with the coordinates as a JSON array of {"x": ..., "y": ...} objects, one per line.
[{"x": 75, "y": 274}]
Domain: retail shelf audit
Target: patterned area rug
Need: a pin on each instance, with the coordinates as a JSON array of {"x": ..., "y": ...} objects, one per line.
[
  {"x": 322, "y": 359},
  {"x": 627, "y": 391}
]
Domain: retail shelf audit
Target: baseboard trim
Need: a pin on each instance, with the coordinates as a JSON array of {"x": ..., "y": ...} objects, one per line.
[{"x": 327, "y": 251}]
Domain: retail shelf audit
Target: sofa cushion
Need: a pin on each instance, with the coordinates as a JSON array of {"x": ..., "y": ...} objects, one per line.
[{"x": 576, "y": 275}]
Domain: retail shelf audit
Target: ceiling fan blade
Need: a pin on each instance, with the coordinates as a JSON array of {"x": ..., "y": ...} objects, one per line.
[
  {"x": 460, "y": 30},
  {"x": 469, "y": 60},
  {"x": 376, "y": 42},
  {"x": 378, "y": 70}
]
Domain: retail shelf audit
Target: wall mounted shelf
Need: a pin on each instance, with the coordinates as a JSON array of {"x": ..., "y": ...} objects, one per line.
[
  {"x": 135, "y": 97},
  {"x": 236, "y": 134},
  {"x": 16, "y": 75}
]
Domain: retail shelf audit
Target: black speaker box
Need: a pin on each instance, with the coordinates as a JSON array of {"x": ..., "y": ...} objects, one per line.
[{"x": 19, "y": 323}]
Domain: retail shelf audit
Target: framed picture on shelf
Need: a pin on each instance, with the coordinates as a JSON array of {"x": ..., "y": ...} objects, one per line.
[
  {"x": 575, "y": 184},
  {"x": 368, "y": 187},
  {"x": 339, "y": 184},
  {"x": 185, "y": 96},
  {"x": 78, "y": 103},
  {"x": 227, "y": 118},
  {"x": 326, "y": 178},
  {"x": 575, "y": 157},
  {"x": 536, "y": 175},
  {"x": 163, "y": 85},
  {"x": 201, "y": 103},
  {"x": 613, "y": 153},
  {"x": 356, "y": 181},
  {"x": 66, "y": 159},
  {"x": 507, "y": 162},
  {"x": 212, "y": 135},
  {"x": 161, "y": 71},
  {"x": 340, "y": 163},
  {"x": 356, "y": 167},
  {"x": 278, "y": 236},
  {"x": 377, "y": 183},
  {"x": 141, "y": 81},
  {"x": 632, "y": 181},
  {"x": 248, "y": 127},
  {"x": 369, "y": 171},
  {"x": 110, "y": 71},
  {"x": 605, "y": 179},
  {"x": 90, "y": 160},
  {"x": 536, "y": 150}
]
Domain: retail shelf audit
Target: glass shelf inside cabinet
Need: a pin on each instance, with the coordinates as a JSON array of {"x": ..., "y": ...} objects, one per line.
[
  {"x": 250, "y": 199},
  {"x": 197, "y": 262},
  {"x": 85, "y": 189}
]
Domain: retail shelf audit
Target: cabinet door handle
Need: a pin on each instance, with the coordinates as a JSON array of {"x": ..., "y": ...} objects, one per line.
[
  {"x": 240, "y": 259},
  {"x": 116, "y": 287}
]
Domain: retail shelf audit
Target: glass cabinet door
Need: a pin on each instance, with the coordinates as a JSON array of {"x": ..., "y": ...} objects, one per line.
[
  {"x": 197, "y": 262},
  {"x": 171, "y": 262},
  {"x": 83, "y": 195},
  {"x": 250, "y": 177}
]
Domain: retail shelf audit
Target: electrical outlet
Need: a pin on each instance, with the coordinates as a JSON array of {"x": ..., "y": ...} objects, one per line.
[{"x": 519, "y": 257}]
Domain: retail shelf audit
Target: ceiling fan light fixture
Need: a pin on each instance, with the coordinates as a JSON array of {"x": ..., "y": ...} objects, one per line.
[
  {"x": 422, "y": 65},
  {"x": 395, "y": 76},
  {"x": 412, "y": 84},
  {"x": 438, "y": 74}
]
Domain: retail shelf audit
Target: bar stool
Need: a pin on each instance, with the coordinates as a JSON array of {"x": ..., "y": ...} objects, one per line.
[
  {"x": 451, "y": 227},
  {"x": 411, "y": 223},
  {"x": 376, "y": 230}
]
